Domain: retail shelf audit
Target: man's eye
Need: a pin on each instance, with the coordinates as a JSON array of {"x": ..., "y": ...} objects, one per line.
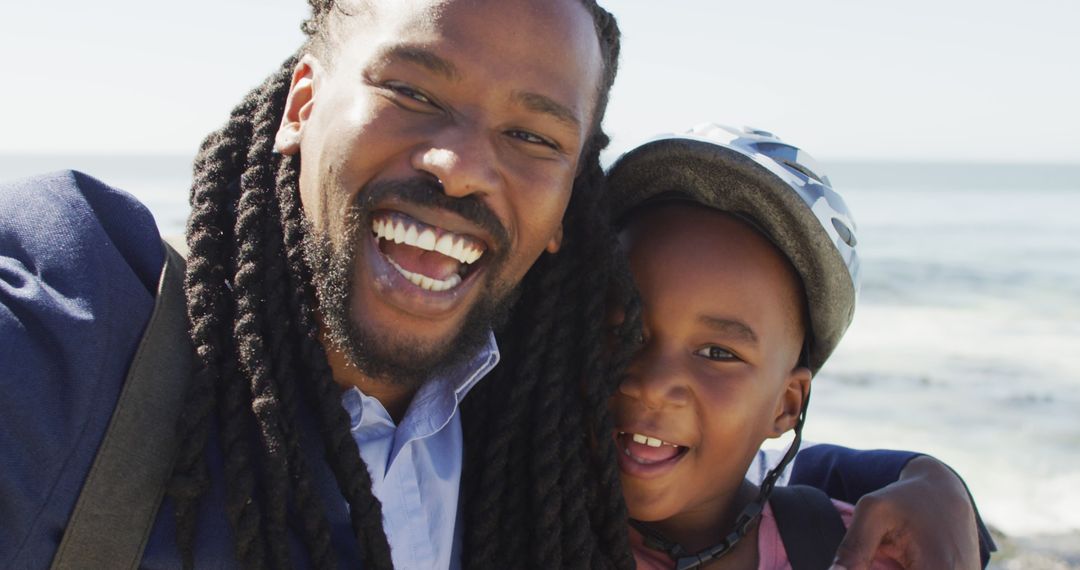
[
  {"x": 411, "y": 93},
  {"x": 715, "y": 353},
  {"x": 531, "y": 138}
]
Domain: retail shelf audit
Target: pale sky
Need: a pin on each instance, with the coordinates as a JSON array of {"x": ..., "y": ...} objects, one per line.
[{"x": 846, "y": 79}]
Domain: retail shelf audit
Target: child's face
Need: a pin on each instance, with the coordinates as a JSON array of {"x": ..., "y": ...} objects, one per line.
[{"x": 717, "y": 373}]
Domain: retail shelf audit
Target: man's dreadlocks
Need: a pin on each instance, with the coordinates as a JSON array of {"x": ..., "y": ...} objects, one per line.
[{"x": 252, "y": 310}]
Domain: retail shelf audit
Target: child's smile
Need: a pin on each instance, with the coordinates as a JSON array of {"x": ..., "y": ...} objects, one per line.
[{"x": 646, "y": 456}]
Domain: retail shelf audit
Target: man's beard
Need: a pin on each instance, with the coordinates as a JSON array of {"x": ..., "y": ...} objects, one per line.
[{"x": 385, "y": 355}]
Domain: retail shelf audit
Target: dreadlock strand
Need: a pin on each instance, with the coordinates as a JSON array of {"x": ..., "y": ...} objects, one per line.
[
  {"x": 494, "y": 507},
  {"x": 256, "y": 185},
  {"x": 237, "y": 413},
  {"x": 546, "y": 445},
  {"x": 341, "y": 451},
  {"x": 604, "y": 498},
  {"x": 313, "y": 525},
  {"x": 521, "y": 527},
  {"x": 205, "y": 289},
  {"x": 573, "y": 469},
  {"x": 590, "y": 264},
  {"x": 606, "y": 503},
  {"x": 487, "y": 493}
]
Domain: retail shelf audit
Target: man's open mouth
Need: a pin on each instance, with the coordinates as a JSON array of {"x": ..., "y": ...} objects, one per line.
[{"x": 432, "y": 258}]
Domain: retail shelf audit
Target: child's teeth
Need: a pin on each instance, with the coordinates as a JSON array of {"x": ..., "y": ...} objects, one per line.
[
  {"x": 399, "y": 232},
  {"x": 649, "y": 440}
]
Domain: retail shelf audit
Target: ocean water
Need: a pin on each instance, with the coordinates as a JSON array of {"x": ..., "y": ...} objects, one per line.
[
  {"x": 966, "y": 341},
  {"x": 160, "y": 182}
]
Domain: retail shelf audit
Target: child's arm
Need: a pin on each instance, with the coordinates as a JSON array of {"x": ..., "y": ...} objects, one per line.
[{"x": 912, "y": 500}]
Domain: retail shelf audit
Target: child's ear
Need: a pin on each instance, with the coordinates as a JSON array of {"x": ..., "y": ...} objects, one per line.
[{"x": 791, "y": 400}]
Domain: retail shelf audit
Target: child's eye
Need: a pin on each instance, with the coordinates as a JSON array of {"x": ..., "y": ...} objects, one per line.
[{"x": 715, "y": 353}]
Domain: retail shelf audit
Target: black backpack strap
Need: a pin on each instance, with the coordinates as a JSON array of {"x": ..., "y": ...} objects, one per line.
[
  {"x": 119, "y": 501},
  {"x": 809, "y": 524}
]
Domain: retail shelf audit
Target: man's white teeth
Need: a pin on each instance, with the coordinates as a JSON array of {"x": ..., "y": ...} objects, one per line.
[
  {"x": 458, "y": 247},
  {"x": 426, "y": 240},
  {"x": 650, "y": 441},
  {"x": 425, "y": 282},
  {"x": 445, "y": 244}
]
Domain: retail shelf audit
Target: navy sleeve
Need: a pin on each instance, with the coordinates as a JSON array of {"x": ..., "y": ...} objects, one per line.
[
  {"x": 79, "y": 264},
  {"x": 848, "y": 474}
]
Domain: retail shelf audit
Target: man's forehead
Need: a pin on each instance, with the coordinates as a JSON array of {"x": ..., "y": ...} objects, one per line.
[
  {"x": 433, "y": 62},
  {"x": 451, "y": 38},
  {"x": 417, "y": 14},
  {"x": 379, "y": 17}
]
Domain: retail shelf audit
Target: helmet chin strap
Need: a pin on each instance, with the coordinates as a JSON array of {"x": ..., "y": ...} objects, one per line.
[{"x": 746, "y": 518}]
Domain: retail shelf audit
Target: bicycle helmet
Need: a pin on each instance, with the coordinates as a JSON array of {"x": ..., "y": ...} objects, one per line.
[{"x": 775, "y": 186}]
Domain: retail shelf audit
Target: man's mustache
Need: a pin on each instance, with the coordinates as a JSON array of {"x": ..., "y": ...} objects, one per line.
[{"x": 429, "y": 193}]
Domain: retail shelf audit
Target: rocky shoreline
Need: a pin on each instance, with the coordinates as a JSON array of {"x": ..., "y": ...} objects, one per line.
[{"x": 1041, "y": 552}]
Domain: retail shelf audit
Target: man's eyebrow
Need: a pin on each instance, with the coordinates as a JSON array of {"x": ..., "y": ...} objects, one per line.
[
  {"x": 730, "y": 327},
  {"x": 544, "y": 104},
  {"x": 424, "y": 58}
]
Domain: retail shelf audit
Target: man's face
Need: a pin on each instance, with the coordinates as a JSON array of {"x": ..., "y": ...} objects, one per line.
[{"x": 439, "y": 147}]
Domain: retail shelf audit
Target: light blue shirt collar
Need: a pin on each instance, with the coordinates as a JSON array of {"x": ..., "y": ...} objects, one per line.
[{"x": 416, "y": 466}]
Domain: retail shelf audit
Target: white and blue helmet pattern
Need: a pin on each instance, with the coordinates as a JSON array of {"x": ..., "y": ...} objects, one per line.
[
  {"x": 778, "y": 187},
  {"x": 796, "y": 168}
]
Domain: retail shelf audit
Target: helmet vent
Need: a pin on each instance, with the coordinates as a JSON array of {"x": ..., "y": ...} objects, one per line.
[
  {"x": 845, "y": 232},
  {"x": 802, "y": 170}
]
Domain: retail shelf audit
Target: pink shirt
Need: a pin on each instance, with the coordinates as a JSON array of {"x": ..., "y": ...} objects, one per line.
[{"x": 771, "y": 552}]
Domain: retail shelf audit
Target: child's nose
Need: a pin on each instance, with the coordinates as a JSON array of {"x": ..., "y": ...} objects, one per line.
[{"x": 655, "y": 381}]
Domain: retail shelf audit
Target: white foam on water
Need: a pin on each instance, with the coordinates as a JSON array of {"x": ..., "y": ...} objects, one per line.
[
  {"x": 966, "y": 341},
  {"x": 991, "y": 392}
]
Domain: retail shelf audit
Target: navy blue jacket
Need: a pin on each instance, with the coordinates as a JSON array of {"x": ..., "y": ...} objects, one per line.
[{"x": 79, "y": 263}]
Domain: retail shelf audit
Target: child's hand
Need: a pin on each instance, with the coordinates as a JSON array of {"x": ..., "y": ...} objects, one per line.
[{"x": 923, "y": 521}]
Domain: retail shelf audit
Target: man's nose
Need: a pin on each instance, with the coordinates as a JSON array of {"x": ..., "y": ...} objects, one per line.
[
  {"x": 655, "y": 380},
  {"x": 464, "y": 160}
]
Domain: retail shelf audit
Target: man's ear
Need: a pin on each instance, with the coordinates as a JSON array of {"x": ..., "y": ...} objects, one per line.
[
  {"x": 298, "y": 105},
  {"x": 791, "y": 400},
  {"x": 556, "y": 241}
]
